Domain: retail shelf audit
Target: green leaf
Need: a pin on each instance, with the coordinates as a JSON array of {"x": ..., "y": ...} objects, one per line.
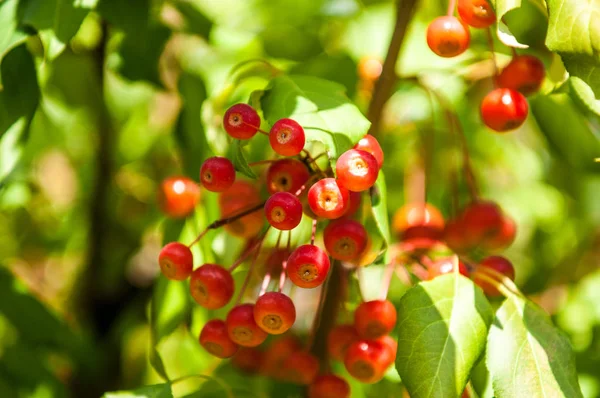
[
  {"x": 153, "y": 391},
  {"x": 442, "y": 329},
  {"x": 170, "y": 306},
  {"x": 320, "y": 106},
  {"x": 10, "y": 33},
  {"x": 502, "y": 7},
  {"x": 195, "y": 21},
  {"x": 584, "y": 95},
  {"x": 238, "y": 158},
  {"x": 527, "y": 356},
  {"x": 379, "y": 207},
  {"x": 574, "y": 33}
]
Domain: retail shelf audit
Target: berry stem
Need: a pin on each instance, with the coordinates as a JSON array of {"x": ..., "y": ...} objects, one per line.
[
  {"x": 506, "y": 292},
  {"x": 245, "y": 255},
  {"x": 500, "y": 278},
  {"x": 265, "y": 284},
  {"x": 284, "y": 263},
  {"x": 314, "y": 231},
  {"x": 250, "y": 270},
  {"x": 257, "y": 128},
  {"x": 403, "y": 274},
  {"x": 261, "y": 162},
  {"x": 451, "y": 7},
  {"x": 419, "y": 271},
  {"x": 490, "y": 40},
  {"x": 388, "y": 274}
]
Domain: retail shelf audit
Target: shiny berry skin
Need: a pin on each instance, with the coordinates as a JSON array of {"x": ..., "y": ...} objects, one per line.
[
  {"x": 328, "y": 199},
  {"x": 503, "y": 238},
  {"x": 345, "y": 239},
  {"x": 274, "y": 313},
  {"x": 283, "y": 211},
  {"x": 367, "y": 360},
  {"x": 287, "y": 137},
  {"x": 215, "y": 340},
  {"x": 376, "y": 318},
  {"x": 307, "y": 266},
  {"x": 476, "y": 13},
  {"x": 498, "y": 264},
  {"x": 418, "y": 220},
  {"x": 455, "y": 236},
  {"x": 286, "y": 175},
  {"x": 329, "y": 386},
  {"x": 241, "y": 327},
  {"x": 301, "y": 367},
  {"x": 370, "y": 144},
  {"x": 277, "y": 353},
  {"x": 447, "y": 36},
  {"x": 248, "y": 359},
  {"x": 176, "y": 261},
  {"x": 524, "y": 73},
  {"x": 391, "y": 346},
  {"x": 482, "y": 220},
  {"x": 178, "y": 196},
  {"x": 504, "y": 109},
  {"x": 217, "y": 174},
  {"x": 241, "y": 121},
  {"x": 211, "y": 286},
  {"x": 339, "y": 339},
  {"x": 357, "y": 170},
  {"x": 445, "y": 266}
]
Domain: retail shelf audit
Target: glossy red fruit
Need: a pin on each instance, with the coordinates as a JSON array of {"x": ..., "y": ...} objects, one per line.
[
  {"x": 447, "y": 36},
  {"x": 286, "y": 175},
  {"x": 240, "y": 191},
  {"x": 287, "y": 137},
  {"x": 355, "y": 202},
  {"x": 524, "y": 73},
  {"x": 418, "y": 220},
  {"x": 241, "y": 121},
  {"x": 277, "y": 353},
  {"x": 367, "y": 360},
  {"x": 357, "y": 170},
  {"x": 504, "y": 109},
  {"x": 211, "y": 286},
  {"x": 283, "y": 211},
  {"x": 329, "y": 386},
  {"x": 503, "y": 238},
  {"x": 307, "y": 266},
  {"x": 370, "y": 144},
  {"x": 301, "y": 367},
  {"x": 241, "y": 196},
  {"x": 376, "y": 318},
  {"x": 455, "y": 236},
  {"x": 476, "y": 13},
  {"x": 217, "y": 174},
  {"x": 241, "y": 327},
  {"x": 445, "y": 266},
  {"x": 345, "y": 239},
  {"x": 274, "y": 313},
  {"x": 248, "y": 359},
  {"x": 498, "y": 264},
  {"x": 328, "y": 199},
  {"x": 339, "y": 339},
  {"x": 215, "y": 340},
  {"x": 176, "y": 261},
  {"x": 391, "y": 345},
  {"x": 481, "y": 220},
  {"x": 178, "y": 196}
]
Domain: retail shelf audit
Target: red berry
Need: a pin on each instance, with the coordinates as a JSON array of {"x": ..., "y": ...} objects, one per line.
[
  {"x": 286, "y": 175},
  {"x": 274, "y": 313},
  {"x": 524, "y": 73},
  {"x": 345, "y": 239},
  {"x": 356, "y": 170},
  {"x": 504, "y": 109},
  {"x": 178, "y": 196},
  {"x": 482, "y": 220},
  {"x": 240, "y": 190},
  {"x": 176, "y": 261},
  {"x": 503, "y": 238},
  {"x": 355, "y": 202},
  {"x": 447, "y": 36},
  {"x": 445, "y": 266},
  {"x": 248, "y": 359},
  {"x": 455, "y": 237},
  {"x": 241, "y": 327},
  {"x": 241, "y": 121},
  {"x": 369, "y": 68},
  {"x": 241, "y": 196},
  {"x": 391, "y": 345},
  {"x": 217, "y": 174},
  {"x": 287, "y": 137},
  {"x": 211, "y": 286},
  {"x": 215, "y": 340},
  {"x": 301, "y": 367},
  {"x": 328, "y": 199},
  {"x": 370, "y": 144},
  {"x": 476, "y": 13},
  {"x": 367, "y": 360},
  {"x": 277, "y": 353},
  {"x": 373, "y": 319},
  {"x": 283, "y": 211},
  {"x": 307, "y": 266},
  {"x": 418, "y": 220},
  {"x": 339, "y": 339},
  {"x": 498, "y": 264},
  {"x": 329, "y": 386}
]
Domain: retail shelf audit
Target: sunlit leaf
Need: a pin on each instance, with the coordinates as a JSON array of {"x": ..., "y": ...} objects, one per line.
[
  {"x": 10, "y": 33},
  {"x": 153, "y": 391}
]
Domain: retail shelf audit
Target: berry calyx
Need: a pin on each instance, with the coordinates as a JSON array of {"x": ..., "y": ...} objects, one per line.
[
  {"x": 524, "y": 73},
  {"x": 283, "y": 211},
  {"x": 211, "y": 286},
  {"x": 215, "y": 340},
  {"x": 504, "y": 109},
  {"x": 287, "y": 137},
  {"x": 373, "y": 319},
  {"x": 274, "y": 313},
  {"x": 328, "y": 199},
  {"x": 339, "y": 339},
  {"x": 345, "y": 239},
  {"x": 367, "y": 360},
  {"x": 329, "y": 386},
  {"x": 418, "y": 220},
  {"x": 176, "y": 261},
  {"x": 476, "y": 13},
  {"x": 301, "y": 367},
  {"x": 357, "y": 170},
  {"x": 217, "y": 174},
  {"x": 178, "y": 196},
  {"x": 498, "y": 264},
  {"x": 445, "y": 266},
  {"x": 241, "y": 121},
  {"x": 286, "y": 175},
  {"x": 370, "y": 144},
  {"x": 241, "y": 327},
  {"x": 447, "y": 36},
  {"x": 307, "y": 266}
]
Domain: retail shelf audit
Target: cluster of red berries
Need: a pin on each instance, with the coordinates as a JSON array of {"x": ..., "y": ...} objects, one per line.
[{"x": 504, "y": 108}]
